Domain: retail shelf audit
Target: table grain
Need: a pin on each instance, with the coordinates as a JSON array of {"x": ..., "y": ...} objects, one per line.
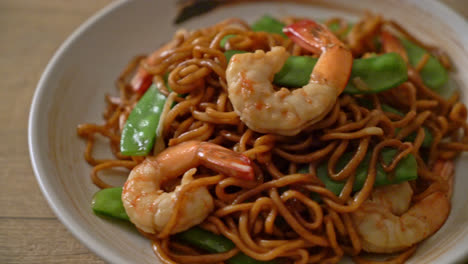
[{"x": 30, "y": 32}]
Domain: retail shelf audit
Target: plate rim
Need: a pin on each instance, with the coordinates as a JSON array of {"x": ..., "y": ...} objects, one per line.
[{"x": 458, "y": 24}]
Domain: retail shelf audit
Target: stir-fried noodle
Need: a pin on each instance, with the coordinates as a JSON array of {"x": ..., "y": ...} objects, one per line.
[{"x": 286, "y": 213}]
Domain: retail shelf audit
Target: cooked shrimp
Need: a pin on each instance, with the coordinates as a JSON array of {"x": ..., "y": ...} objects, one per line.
[
  {"x": 360, "y": 36},
  {"x": 391, "y": 43},
  {"x": 287, "y": 112},
  {"x": 387, "y": 223},
  {"x": 150, "y": 208}
]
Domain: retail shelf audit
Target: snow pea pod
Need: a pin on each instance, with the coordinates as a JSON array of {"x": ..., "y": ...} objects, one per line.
[
  {"x": 427, "y": 141},
  {"x": 389, "y": 109},
  {"x": 139, "y": 132},
  {"x": 229, "y": 53},
  {"x": 213, "y": 243},
  {"x": 295, "y": 71},
  {"x": 433, "y": 74},
  {"x": 406, "y": 170},
  {"x": 224, "y": 40},
  {"x": 268, "y": 24},
  {"x": 379, "y": 73},
  {"x": 336, "y": 26},
  {"x": 108, "y": 202},
  {"x": 205, "y": 240}
]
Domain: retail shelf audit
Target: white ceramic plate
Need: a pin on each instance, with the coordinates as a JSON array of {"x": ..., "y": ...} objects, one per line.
[{"x": 72, "y": 88}]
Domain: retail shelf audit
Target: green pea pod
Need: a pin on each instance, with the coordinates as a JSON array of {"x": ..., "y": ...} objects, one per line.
[
  {"x": 224, "y": 40},
  {"x": 109, "y": 202},
  {"x": 295, "y": 71},
  {"x": 229, "y": 53},
  {"x": 139, "y": 132},
  {"x": 213, "y": 243},
  {"x": 387, "y": 108},
  {"x": 428, "y": 138},
  {"x": 269, "y": 24},
  {"x": 205, "y": 240},
  {"x": 378, "y": 73},
  {"x": 335, "y": 26},
  {"x": 334, "y": 186},
  {"x": 427, "y": 141},
  {"x": 433, "y": 74},
  {"x": 406, "y": 170},
  {"x": 266, "y": 23}
]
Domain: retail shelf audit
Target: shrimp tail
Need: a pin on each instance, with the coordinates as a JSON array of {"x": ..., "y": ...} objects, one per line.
[
  {"x": 390, "y": 43},
  {"x": 309, "y": 34},
  {"x": 141, "y": 81},
  {"x": 150, "y": 208},
  {"x": 226, "y": 162},
  {"x": 317, "y": 39}
]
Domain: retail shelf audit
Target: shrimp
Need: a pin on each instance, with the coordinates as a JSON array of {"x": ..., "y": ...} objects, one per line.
[
  {"x": 287, "y": 112},
  {"x": 391, "y": 43},
  {"x": 386, "y": 223},
  {"x": 150, "y": 208}
]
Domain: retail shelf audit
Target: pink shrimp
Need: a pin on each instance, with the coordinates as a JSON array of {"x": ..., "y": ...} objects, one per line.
[
  {"x": 150, "y": 208},
  {"x": 387, "y": 222},
  {"x": 287, "y": 112}
]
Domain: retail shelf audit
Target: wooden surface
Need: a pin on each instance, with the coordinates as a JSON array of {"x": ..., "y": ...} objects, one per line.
[{"x": 30, "y": 32}]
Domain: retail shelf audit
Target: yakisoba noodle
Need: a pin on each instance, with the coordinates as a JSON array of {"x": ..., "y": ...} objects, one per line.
[{"x": 278, "y": 216}]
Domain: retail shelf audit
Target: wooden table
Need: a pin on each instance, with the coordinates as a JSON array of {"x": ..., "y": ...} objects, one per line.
[{"x": 30, "y": 32}]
